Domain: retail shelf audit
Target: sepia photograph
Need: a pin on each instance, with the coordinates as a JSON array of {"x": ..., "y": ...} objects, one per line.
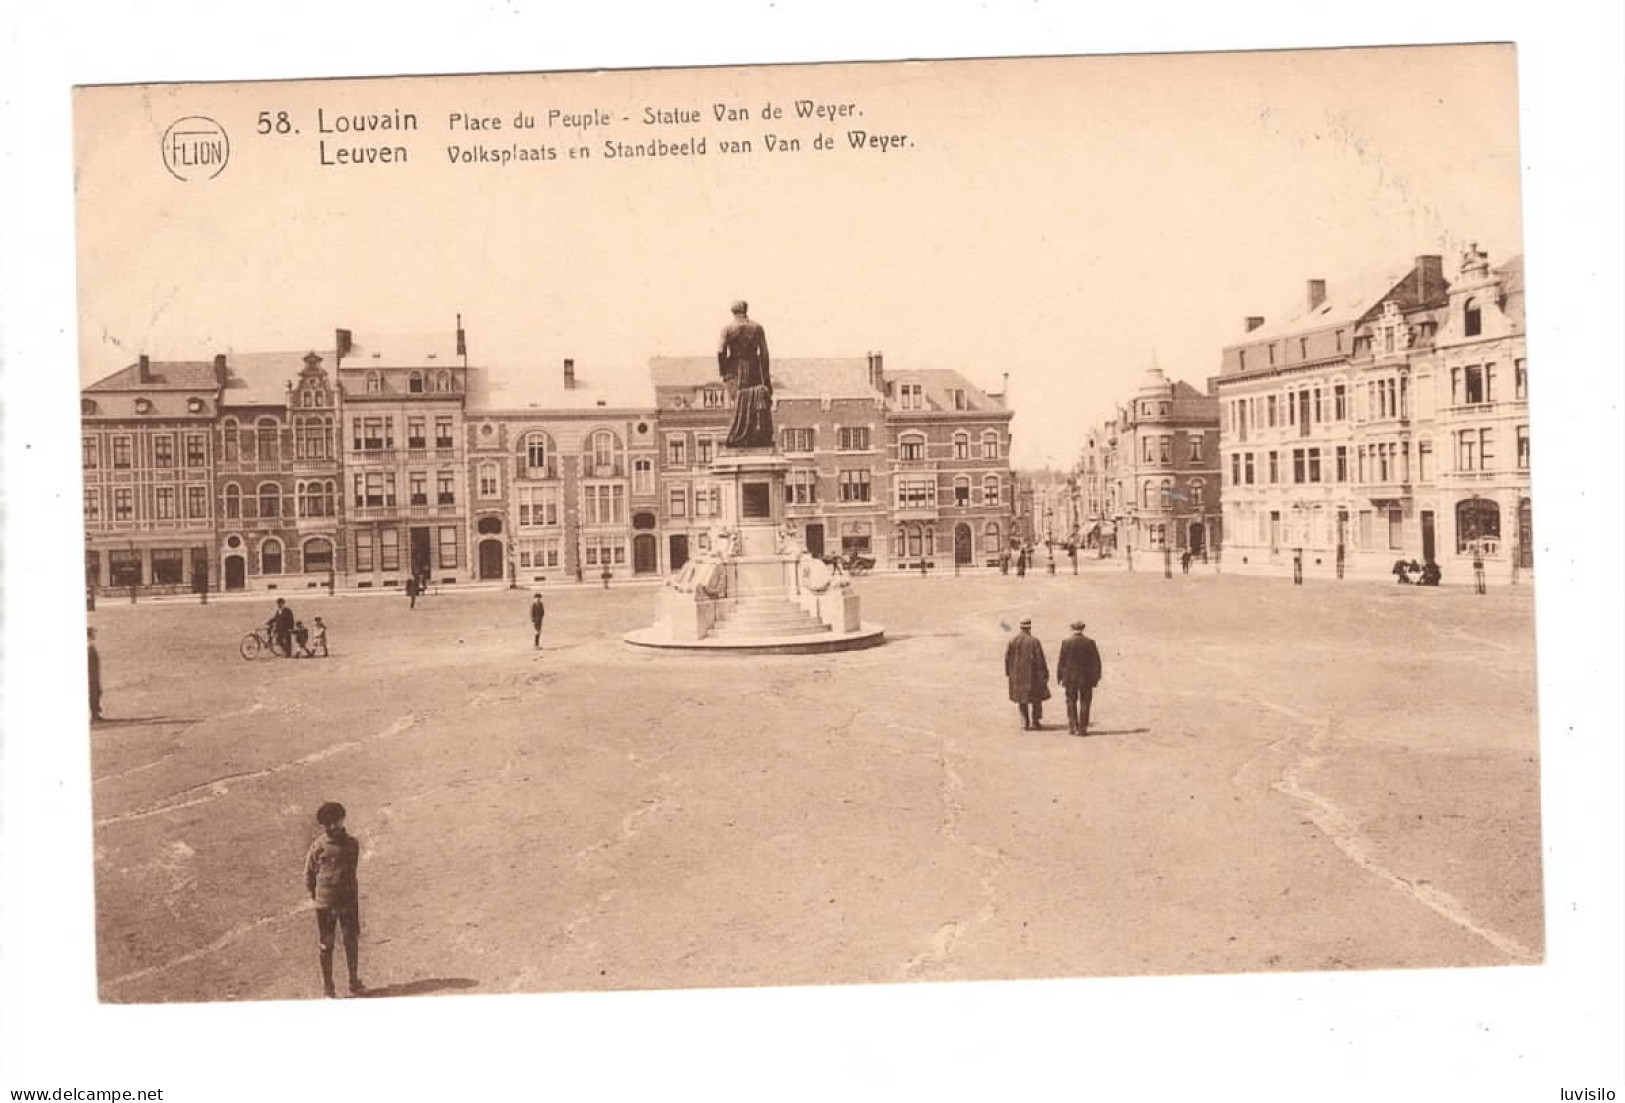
[{"x": 875, "y": 526}]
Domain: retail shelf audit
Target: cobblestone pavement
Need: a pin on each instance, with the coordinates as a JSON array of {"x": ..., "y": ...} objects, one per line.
[{"x": 1282, "y": 778}]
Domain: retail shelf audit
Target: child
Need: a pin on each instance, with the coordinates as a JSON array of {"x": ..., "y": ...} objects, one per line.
[
  {"x": 318, "y": 638},
  {"x": 330, "y": 878},
  {"x": 301, "y": 638}
]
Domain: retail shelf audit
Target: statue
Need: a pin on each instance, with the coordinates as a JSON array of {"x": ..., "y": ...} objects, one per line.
[{"x": 742, "y": 361}]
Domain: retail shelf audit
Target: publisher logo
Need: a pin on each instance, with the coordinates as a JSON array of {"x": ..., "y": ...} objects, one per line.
[{"x": 195, "y": 148}]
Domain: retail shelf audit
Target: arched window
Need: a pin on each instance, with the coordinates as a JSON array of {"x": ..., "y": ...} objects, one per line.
[
  {"x": 990, "y": 490},
  {"x": 1478, "y": 526},
  {"x": 990, "y": 537},
  {"x": 900, "y": 543},
  {"x": 990, "y": 445},
  {"x": 270, "y": 496},
  {"x": 375, "y": 383},
  {"x": 317, "y": 554},
  {"x": 414, "y": 383},
  {"x": 1472, "y": 321},
  {"x": 266, "y": 431},
  {"x": 537, "y": 451},
  {"x": 911, "y": 446},
  {"x": 231, "y": 505},
  {"x": 271, "y": 556},
  {"x": 1146, "y": 492},
  {"x": 228, "y": 432},
  {"x": 488, "y": 481},
  {"x": 602, "y": 447},
  {"x": 1198, "y": 490},
  {"x": 961, "y": 446},
  {"x": 1166, "y": 494}
]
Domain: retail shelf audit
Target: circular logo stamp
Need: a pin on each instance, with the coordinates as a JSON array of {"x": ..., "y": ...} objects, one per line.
[{"x": 195, "y": 148}]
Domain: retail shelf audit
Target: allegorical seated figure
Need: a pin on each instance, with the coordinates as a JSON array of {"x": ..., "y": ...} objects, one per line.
[{"x": 743, "y": 362}]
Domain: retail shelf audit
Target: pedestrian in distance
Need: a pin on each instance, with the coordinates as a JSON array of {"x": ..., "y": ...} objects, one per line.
[
  {"x": 1297, "y": 566},
  {"x": 1478, "y": 570},
  {"x": 1078, "y": 671},
  {"x": 538, "y": 613},
  {"x": 1021, "y": 563},
  {"x": 330, "y": 878},
  {"x": 281, "y": 628},
  {"x": 94, "y": 659},
  {"x": 1028, "y": 673},
  {"x": 301, "y": 639},
  {"x": 1185, "y": 562},
  {"x": 412, "y": 592},
  {"x": 318, "y": 637}
]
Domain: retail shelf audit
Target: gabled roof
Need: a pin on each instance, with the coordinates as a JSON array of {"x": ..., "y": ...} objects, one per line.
[
  {"x": 166, "y": 375},
  {"x": 262, "y": 378},
  {"x": 793, "y": 377},
  {"x": 543, "y": 389},
  {"x": 1344, "y": 306},
  {"x": 404, "y": 350},
  {"x": 936, "y": 383}
]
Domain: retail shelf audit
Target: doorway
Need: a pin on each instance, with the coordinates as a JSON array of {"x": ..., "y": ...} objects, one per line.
[
  {"x": 644, "y": 554},
  {"x": 815, "y": 540},
  {"x": 1196, "y": 539},
  {"x": 491, "y": 559},
  {"x": 421, "y": 563},
  {"x": 1427, "y": 536},
  {"x": 679, "y": 551},
  {"x": 962, "y": 554},
  {"x": 235, "y": 571}
]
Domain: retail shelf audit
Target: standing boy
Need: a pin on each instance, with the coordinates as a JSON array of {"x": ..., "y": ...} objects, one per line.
[
  {"x": 318, "y": 637},
  {"x": 330, "y": 878},
  {"x": 538, "y": 613}
]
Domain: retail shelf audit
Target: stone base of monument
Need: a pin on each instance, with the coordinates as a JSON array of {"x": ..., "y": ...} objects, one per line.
[{"x": 755, "y": 589}]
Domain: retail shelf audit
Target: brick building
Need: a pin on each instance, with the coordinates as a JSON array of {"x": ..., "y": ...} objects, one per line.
[{"x": 1165, "y": 466}]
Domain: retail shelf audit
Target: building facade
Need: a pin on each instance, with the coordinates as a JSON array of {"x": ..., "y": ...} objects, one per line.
[{"x": 1160, "y": 463}]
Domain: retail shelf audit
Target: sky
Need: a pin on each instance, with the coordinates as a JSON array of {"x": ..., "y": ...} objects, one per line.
[{"x": 1065, "y": 222}]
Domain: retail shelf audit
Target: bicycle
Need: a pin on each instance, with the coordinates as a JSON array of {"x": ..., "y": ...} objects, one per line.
[{"x": 256, "y": 642}]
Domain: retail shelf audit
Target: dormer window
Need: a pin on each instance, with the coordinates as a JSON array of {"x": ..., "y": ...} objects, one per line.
[
  {"x": 1472, "y": 321},
  {"x": 414, "y": 383}
]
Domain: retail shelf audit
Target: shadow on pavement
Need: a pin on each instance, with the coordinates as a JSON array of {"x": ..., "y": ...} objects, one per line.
[
  {"x": 1116, "y": 731},
  {"x": 421, "y": 987},
  {"x": 126, "y": 721}
]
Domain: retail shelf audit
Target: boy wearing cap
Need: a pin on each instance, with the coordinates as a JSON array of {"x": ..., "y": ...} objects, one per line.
[
  {"x": 1078, "y": 670},
  {"x": 1028, "y": 672},
  {"x": 330, "y": 878}
]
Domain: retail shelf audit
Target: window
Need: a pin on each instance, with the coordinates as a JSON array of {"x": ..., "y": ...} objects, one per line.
[
  {"x": 990, "y": 445},
  {"x": 1271, "y": 411},
  {"x": 312, "y": 438},
  {"x": 536, "y": 455},
  {"x": 1165, "y": 447},
  {"x": 489, "y": 482},
  {"x": 677, "y": 502},
  {"x": 1478, "y": 525},
  {"x": 853, "y": 439},
  {"x": 88, "y": 452},
  {"x": 375, "y": 383},
  {"x": 123, "y": 503},
  {"x": 911, "y": 447},
  {"x": 605, "y": 551},
  {"x": 442, "y": 433},
  {"x": 1198, "y": 492},
  {"x": 708, "y": 500},
  {"x": 1275, "y": 467},
  {"x": 1314, "y": 465},
  {"x": 417, "y": 432},
  {"x": 270, "y": 497},
  {"x": 317, "y": 554},
  {"x": 797, "y": 440},
  {"x": 1235, "y": 469},
  {"x": 1520, "y": 381},
  {"x": 1342, "y": 463},
  {"x": 197, "y": 501},
  {"x": 605, "y": 504},
  {"x": 1150, "y": 449},
  {"x": 1298, "y": 468},
  {"x": 704, "y": 450},
  {"x": 389, "y": 549},
  {"x": 1147, "y": 492},
  {"x": 961, "y": 491},
  {"x": 414, "y": 384},
  {"x": 538, "y": 506},
  {"x": 448, "y": 546},
  {"x": 1486, "y": 449},
  {"x": 375, "y": 488},
  {"x": 643, "y": 476},
  {"x": 911, "y": 396},
  {"x": 196, "y": 450},
  {"x": 1396, "y": 529},
  {"x": 801, "y": 487},
  {"x": 1165, "y": 493},
  {"x": 1196, "y": 448},
  {"x": 1472, "y": 321},
  {"x": 231, "y": 502},
  {"x": 266, "y": 434},
  {"x": 1424, "y": 460},
  {"x": 271, "y": 557},
  {"x": 361, "y": 546},
  {"x": 1523, "y": 448},
  {"x": 1473, "y": 391},
  {"x": 1467, "y": 450},
  {"x": 93, "y": 505},
  {"x": 855, "y": 486},
  {"x": 1247, "y": 471},
  {"x": 445, "y": 493},
  {"x": 417, "y": 488},
  {"x": 711, "y": 398},
  {"x": 991, "y": 542},
  {"x": 961, "y": 446},
  {"x": 677, "y": 449},
  {"x": 374, "y": 432},
  {"x": 990, "y": 490},
  {"x": 958, "y": 396},
  {"x": 121, "y": 451},
  {"x": 916, "y": 493},
  {"x": 1340, "y": 402},
  {"x": 229, "y": 436},
  {"x": 168, "y": 567}
]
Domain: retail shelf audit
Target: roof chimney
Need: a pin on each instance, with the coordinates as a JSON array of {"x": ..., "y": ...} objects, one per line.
[
  {"x": 143, "y": 369},
  {"x": 220, "y": 369},
  {"x": 462, "y": 341},
  {"x": 342, "y": 344},
  {"x": 569, "y": 375},
  {"x": 1253, "y": 321},
  {"x": 1429, "y": 277},
  {"x": 1317, "y": 293},
  {"x": 877, "y": 371}
]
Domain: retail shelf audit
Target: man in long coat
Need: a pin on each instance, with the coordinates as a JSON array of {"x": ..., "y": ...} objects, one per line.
[
  {"x": 742, "y": 361},
  {"x": 1078, "y": 670},
  {"x": 1028, "y": 672}
]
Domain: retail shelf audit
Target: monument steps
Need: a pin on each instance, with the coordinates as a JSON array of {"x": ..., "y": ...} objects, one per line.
[{"x": 760, "y": 615}]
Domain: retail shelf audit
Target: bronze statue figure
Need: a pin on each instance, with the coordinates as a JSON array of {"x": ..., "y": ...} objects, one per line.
[{"x": 742, "y": 360}]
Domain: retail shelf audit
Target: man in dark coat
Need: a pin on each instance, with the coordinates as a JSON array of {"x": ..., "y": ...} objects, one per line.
[
  {"x": 743, "y": 363},
  {"x": 95, "y": 660},
  {"x": 1028, "y": 672},
  {"x": 538, "y": 613},
  {"x": 1078, "y": 670},
  {"x": 281, "y": 626}
]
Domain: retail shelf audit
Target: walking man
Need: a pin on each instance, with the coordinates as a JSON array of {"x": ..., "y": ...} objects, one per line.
[
  {"x": 412, "y": 591},
  {"x": 1078, "y": 670},
  {"x": 538, "y": 613},
  {"x": 330, "y": 878},
  {"x": 1028, "y": 673},
  {"x": 95, "y": 660}
]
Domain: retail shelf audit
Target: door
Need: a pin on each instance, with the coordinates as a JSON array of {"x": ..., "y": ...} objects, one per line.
[
  {"x": 1196, "y": 540},
  {"x": 421, "y": 562},
  {"x": 962, "y": 545},
  {"x": 491, "y": 559},
  {"x": 644, "y": 554},
  {"x": 1427, "y": 536},
  {"x": 679, "y": 551},
  {"x": 234, "y": 572},
  {"x": 815, "y": 541}
]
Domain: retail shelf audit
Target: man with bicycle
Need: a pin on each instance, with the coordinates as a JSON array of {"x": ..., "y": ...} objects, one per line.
[{"x": 280, "y": 626}]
